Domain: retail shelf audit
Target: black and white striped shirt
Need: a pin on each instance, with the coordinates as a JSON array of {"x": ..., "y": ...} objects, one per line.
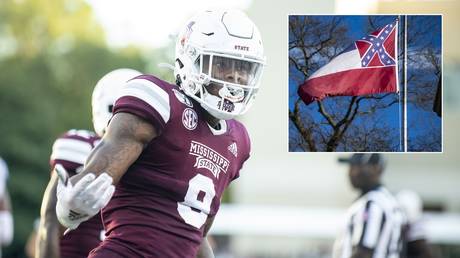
[{"x": 374, "y": 221}]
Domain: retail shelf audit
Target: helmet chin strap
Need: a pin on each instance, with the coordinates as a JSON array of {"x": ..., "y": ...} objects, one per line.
[
  {"x": 211, "y": 105},
  {"x": 233, "y": 97},
  {"x": 211, "y": 100}
]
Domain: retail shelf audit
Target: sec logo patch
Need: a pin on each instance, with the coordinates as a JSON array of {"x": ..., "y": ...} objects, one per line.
[{"x": 189, "y": 119}]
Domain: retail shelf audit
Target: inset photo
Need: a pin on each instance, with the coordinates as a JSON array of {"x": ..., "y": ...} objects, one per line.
[{"x": 365, "y": 83}]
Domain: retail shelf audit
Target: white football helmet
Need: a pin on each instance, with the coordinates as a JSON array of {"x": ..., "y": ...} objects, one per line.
[
  {"x": 411, "y": 203},
  {"x": 219, "y": 61},
  {"x": 105, "y": 94}
]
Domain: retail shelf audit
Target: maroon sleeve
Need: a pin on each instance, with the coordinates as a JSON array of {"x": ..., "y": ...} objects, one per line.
[
  {"x": 72, "y": 148},
  {"x": 148, "y": 98},
  {"x": 137, "y": 107}
]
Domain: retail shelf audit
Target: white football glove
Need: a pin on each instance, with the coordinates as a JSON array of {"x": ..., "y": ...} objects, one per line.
[{"x": 85, "y": 199}]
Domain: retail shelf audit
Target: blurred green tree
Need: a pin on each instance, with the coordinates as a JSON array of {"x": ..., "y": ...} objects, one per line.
[
  {"x": 52, "y": 52},
  {"x": 37, "y": 25}
]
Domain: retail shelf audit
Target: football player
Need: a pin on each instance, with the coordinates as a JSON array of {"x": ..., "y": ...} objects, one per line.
[
  {"x": 70, "y": 151},
  {"x": 172, "y": 149},
  {"x": 6, "y": 219}
]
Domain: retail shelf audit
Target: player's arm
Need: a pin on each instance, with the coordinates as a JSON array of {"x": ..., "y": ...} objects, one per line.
[
  {"x": 49, "y": 231},
  {"x": 205, "y": 250},
  {"x": 123, "y": 142},
  {"x": 90, "y": 190}
]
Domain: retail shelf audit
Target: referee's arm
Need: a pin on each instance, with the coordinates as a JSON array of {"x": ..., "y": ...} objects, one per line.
[
  {"x": 366, "y": 237},
  {"x": 362, "y": 252}
]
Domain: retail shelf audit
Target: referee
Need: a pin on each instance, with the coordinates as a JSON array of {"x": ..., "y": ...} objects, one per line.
[{"x": 374, "y": 222}]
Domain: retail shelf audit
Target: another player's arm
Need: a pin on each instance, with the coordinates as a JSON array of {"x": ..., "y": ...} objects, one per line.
[
  {"x": 49, "y": 231},
  {"x": 30, "y": 247},
  {"x": 205, "y": 250},
  {"x": 6, "y": 219},
  {"x": 5, "y": 202},
  {"x": 125, "y": 138}
]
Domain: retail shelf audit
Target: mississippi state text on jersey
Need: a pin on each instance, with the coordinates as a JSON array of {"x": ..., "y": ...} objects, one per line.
[
  {"x": 71, "y": 150},
  {"x": 162, "y": 202}
]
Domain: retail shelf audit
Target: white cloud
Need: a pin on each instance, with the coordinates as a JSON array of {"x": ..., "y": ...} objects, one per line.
[{"x": 148, "y": 23}]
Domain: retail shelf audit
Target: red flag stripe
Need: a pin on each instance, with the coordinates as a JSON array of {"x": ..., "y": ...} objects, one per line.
[{"x": 353, "y": 82}]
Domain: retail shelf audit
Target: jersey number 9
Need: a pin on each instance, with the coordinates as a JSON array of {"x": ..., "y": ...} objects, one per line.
[{"x": 197, "y": 202}]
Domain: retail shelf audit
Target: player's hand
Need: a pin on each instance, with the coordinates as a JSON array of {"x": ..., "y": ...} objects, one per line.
[{"x": 85, "y": 199}]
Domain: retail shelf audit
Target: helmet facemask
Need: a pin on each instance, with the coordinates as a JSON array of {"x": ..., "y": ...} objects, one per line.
[
  {"x": 224, "y": 84},
  {"x": 219, "y": 61}
]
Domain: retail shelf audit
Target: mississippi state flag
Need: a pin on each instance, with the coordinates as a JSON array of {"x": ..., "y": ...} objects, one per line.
[{"x": 368, "y": 66}]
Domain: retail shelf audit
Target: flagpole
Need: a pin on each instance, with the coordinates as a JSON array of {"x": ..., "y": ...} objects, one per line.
[
  {"x": 405, "y": 83},
  {"x": 400, "y": 89}
]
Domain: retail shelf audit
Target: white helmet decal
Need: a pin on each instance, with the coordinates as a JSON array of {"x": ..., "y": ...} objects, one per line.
[
  {"x": 105, "y": 94},
  {"x": 219, "y": 61}
]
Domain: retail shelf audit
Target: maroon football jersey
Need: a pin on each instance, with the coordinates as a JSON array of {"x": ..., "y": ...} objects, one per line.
[
  {"x": 71, "y": 150},
  {"x": 162, "y": 202}
]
